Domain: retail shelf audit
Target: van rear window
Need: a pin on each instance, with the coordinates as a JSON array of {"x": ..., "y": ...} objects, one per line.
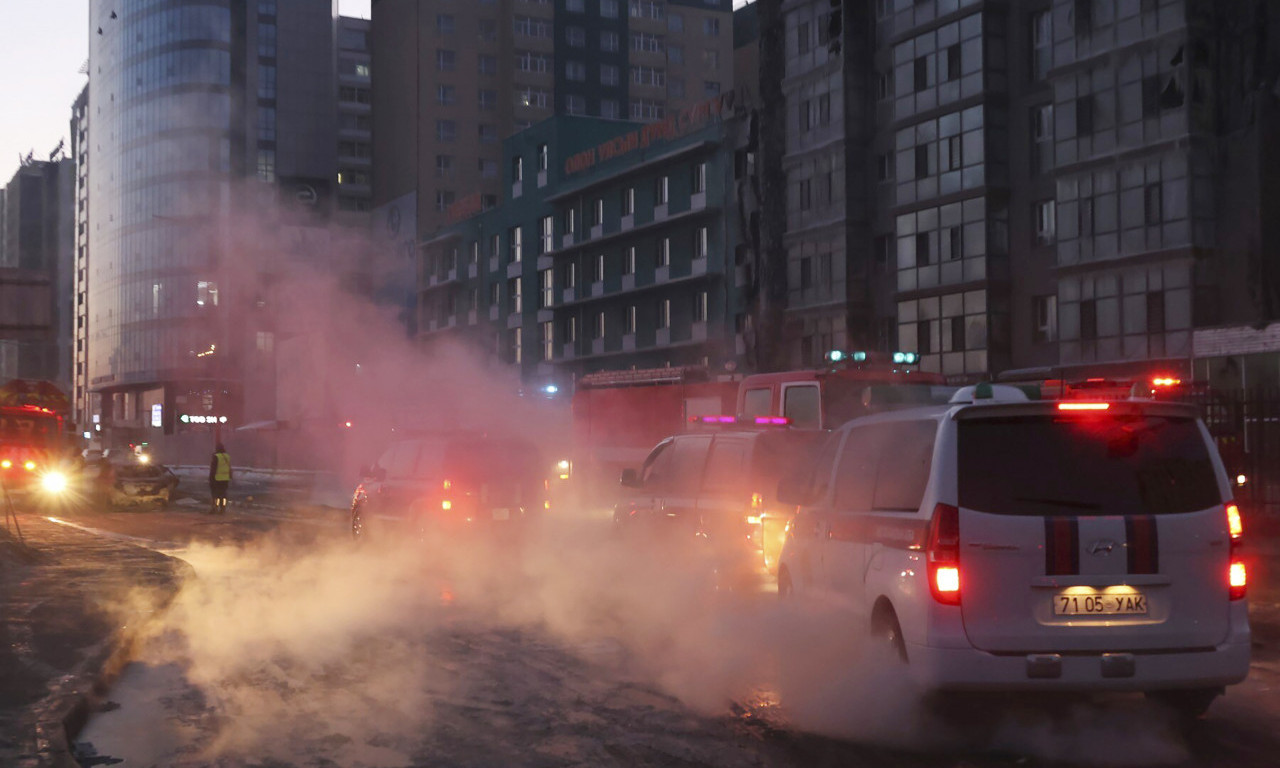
[{"x": 1113, "y": 465}]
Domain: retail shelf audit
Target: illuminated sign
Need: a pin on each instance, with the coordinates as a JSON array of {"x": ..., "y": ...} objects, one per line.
[
  {"x": 684, "y": 121},
  {"x": 157, "y": 415},
  {"x": 187, "y": 418}
]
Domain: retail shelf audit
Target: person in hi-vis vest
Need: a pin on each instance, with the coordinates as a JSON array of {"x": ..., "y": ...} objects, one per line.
[{"x": 219, "y": 480}]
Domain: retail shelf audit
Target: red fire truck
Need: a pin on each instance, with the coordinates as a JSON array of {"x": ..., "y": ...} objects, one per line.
[
  {"x": 618, "y": 416},
  {"x": 33, "y": 432}
]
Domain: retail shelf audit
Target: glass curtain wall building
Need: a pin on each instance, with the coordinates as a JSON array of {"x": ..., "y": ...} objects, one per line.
[{"x": 200, "y": 113}]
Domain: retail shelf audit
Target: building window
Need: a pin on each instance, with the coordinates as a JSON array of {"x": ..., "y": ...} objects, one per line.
[
  {"x": 547, "y": 279},
  {"x": 1084, "y": 216},
  {"x": 495, "y": 297},
  {"x": 473, "y": 258},
  {"x": 266, "y": 81},
  {"x": 700, "y": 307},
  {"x": 645, "y": 42},
  {"x": 1041, "y": 44},
  {"x": 629, "y": 201},
  {"x": 266, "y": 124},
  {"x": 571, "y": 275},
  {"x": 952, "y": 158},
  {"x": 642, "y": 75},
  {"x": 514, "y": 291},
  {"x": 953, "y": 244},
  {"x": 920, "y": 77},
  {"x": 267, "y": 164},
  {"x": 803, "y": 187},
  {"x": 1088, "y": 319},
  {"x": 444, "y": 199},
  {"x": 574, "y": 6},
  {"x": 517, "y": 168},
  {"x": 884, "y": 86},
  {"x": 630, "y": 327},
  {"x": 675, "y": 54},
  {"x": 571, "y": 221},
  {"x": 446, "y": 60},
  {"x": 576, "y": 37},
  {"x": 487, "y": 100},
  {"x": 488, "y": 168},
  {"x": 495, "y": 247},
  {"x": 924, "y": 337},
  {"x": 701, "y": 243},
  {"x": 711, "y": 27},
  {"x": 446, "y": 94},
  {"x": 711, "y": 60},
  {"x": 609, "y": 9},
  {"x": 664, "y": 313},
  {"x": 1155, "y": 312},
  {"x": 1083, "y": 12},
  {"x": 951, "y": 60},
  {"x": 444, "y": 24},
  {"x": 806, "y": 273},
  {"x": 488, "y": 133},
  {"x": 609, "y": 108},
  {"x": 699, "y": 178},
  {"x": 629, "y": 260},
  {"x": 957, "y": 333},
  {"x": 884, "y": 166},
  {"x": 661, "y": 190},
  {"x": 608, "y": 41},
  {"x": 548, "y": 340},
  {"x": 575, "y": 71},
  {"x": 710, "y": 88},
  {"x": 575, "y": 104},
  {"x": 645, "y": 9},
  {"x": 1084, "y": 116},
  {"x": 1152, "y": 204},
  {"x": 1045, "y": 311},
  {"x": 446, "y": 130},
  {"x": 444, "y": 166},
  {"x": 267, "y": 40},
  {"x": 515, "y": 237},
  {"x": 924, "y": 254},
  {"x": 570, "y": 330},
  {"x": 675, "y": 22},
  {"x": 608, "y": 74},
  {"x": 664, "y": 252},
  {"x": 488, "y": 30},
  {"x": 597, "y": 268},
  {"x": 517, "y": 341},
  {"x": 548, "y": 237},
  {"x": 206, "y": 293},
  {"x": 922, "y": 161},
  {"x": 597, "y": 212},
  {"x": 1041, "y": 138},
  {"x": 1046, "y": 224},
  {"x": 487, "y": 65},
  {"x": 597, "y": 327}
]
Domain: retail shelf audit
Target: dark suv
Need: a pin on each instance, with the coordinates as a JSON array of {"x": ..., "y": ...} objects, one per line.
[
  {"x": 451, "y": 482},
  {"x": 715, "y": 493}
]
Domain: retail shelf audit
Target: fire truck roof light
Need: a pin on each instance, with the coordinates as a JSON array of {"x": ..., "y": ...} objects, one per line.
[
  {"x": 906, "y": 358},
  {"x": 1083, "y": 406},
  {"x": 775, "y": 420},
  {"x": 1165, "y": 381}
]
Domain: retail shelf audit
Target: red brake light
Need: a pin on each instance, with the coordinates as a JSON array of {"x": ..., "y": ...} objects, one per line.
[
  {"x": 1083, "y": 406},
  {"x": 1237, "y": 579},
  {"x": 943, "y": 554}
]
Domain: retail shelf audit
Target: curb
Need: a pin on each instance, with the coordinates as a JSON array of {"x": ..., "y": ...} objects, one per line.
[{"x": 63, "y": 714}]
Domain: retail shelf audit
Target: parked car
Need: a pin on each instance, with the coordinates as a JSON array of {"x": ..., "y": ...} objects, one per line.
[
  {"x": 1007, "y": 544},
  {"x": 714, "y": 493},
  {"x": 451, "y": 482}
]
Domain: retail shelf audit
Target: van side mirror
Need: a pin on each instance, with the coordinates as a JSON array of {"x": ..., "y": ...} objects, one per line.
[
  {"x": 794, "y": 491},
  {"x": 630, "y": 479}
]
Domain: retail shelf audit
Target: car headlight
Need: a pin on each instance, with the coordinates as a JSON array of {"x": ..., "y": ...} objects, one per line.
[{"x": 53, "y": 482}]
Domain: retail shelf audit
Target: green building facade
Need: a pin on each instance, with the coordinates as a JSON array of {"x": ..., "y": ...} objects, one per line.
[{"x": 614, "y": 248}]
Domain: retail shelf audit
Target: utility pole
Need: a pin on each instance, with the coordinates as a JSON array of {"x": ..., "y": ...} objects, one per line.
[{"x": 769, "y": 310}]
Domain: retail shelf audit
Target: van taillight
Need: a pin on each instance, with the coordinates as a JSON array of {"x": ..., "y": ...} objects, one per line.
[
  {"x": 943, "y": 553},
  {"x": 1237, "y": 579}
]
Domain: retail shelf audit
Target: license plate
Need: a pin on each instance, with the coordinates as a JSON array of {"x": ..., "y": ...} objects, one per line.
[
  {"x": 501, "y": 514},
  {"x": 1077, "y": 603}
]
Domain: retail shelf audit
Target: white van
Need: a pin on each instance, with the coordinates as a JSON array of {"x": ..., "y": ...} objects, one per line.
[{"x": 1000, "y": 543}]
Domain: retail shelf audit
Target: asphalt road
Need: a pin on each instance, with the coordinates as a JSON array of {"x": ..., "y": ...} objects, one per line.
[{"x": 294, "y": 648}]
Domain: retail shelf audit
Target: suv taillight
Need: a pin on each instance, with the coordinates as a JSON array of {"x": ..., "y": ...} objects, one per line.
[
  {"x": 1236, "y": 577},
  {"x": 943, "y": 554}
]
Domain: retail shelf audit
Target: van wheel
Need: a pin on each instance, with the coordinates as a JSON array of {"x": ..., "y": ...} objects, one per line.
[
  {"x": 786, "y": 590},
  {"x": 1189, "y": 704},
  {"x": 886, "y": 633}
]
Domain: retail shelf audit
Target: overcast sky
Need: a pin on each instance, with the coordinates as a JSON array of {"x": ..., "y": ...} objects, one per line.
[{"x": 42, "y": 45}]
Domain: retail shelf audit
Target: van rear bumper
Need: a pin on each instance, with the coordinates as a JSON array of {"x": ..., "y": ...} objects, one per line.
[{"x": 970, "y": 669}]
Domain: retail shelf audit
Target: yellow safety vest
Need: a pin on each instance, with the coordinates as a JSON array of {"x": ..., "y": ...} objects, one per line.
[{"x": 223, "y": 472}]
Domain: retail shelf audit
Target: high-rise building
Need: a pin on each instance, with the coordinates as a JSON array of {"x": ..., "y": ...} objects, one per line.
[
  {"x": 36, "y": 208},
  {"x": 206, "y": 124},
  {"x": 1063, "y": 183},
  {"x": 455, "y": 80}
]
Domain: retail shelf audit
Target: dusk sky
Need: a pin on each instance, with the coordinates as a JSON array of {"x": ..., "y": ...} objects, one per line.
[{"x": 42, "y": 46}]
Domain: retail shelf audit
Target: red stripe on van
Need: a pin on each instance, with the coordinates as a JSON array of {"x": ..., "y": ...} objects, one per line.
[
  {"x": 1061, "y": 546},
  {"x": 1142, "y": 545}
]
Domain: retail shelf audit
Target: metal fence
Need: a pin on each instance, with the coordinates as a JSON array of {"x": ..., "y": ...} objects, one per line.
[{"x": 1245, "y": 423}]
